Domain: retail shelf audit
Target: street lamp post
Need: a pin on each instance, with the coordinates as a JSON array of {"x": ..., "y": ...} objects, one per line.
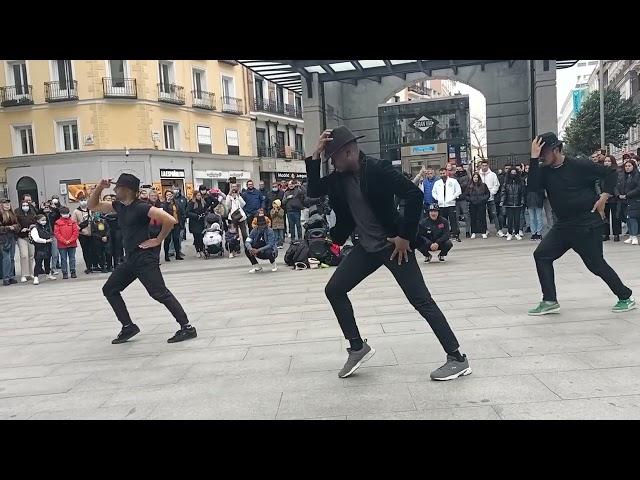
[{"x": 601, "y": 88}]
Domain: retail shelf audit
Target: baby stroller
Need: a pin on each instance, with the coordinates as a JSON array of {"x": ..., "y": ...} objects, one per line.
[{"x": 212, "y": 241}]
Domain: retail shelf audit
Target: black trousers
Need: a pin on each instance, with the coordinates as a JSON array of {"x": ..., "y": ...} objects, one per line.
[
  {"x": 114, "y": 253},
  {"x": 613, "y": 225},
  {"x": 174, "y": 237},
  {"x": 42, "y": 265},
  {"x": 513, "y": 219},
  {"x": 478, "y": 214},
  {"x": 450, "y": 214},
  {"x": 88, "y": 251},
  {"x": 100, "y": 250},
  {"x": 197, "y": 241},
  {"x": 444, "y": 248},
  {"x": 358, "y": 265},
  {"x": 586, "y": 242},
  {"x": 266, "y": 255},
  {"x": 145, "y": 266}
]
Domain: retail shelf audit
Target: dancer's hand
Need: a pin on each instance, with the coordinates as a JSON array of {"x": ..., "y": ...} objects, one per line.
[
  {"x": 536, "y": 147},
  {"x": 105, "y": 183},
  {"x": 401, "y": 249},
  {"x": 599, "y": 206},
  {"x": 151, "y": 243},
  {"x": 322, "y": 141}
]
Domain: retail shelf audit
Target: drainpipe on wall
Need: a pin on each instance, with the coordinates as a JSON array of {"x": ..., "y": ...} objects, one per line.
[{"x": 532, "y": 74}]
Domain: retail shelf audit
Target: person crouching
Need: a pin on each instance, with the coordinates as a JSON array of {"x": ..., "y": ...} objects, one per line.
[
  {"x": 261, "y": 244},
  {"x": 434, "y": 231}
]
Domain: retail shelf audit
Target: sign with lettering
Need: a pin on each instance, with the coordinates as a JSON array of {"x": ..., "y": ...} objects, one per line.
[
  {"x": 418, "y": 149},
  {"x": 291, "y": 176},
  {"x": 171, "y": 173},
  {"x": 424, "y": 123}
]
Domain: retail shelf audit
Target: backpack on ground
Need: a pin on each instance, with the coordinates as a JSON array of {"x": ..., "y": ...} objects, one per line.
[{"x": 297, "y": 252}]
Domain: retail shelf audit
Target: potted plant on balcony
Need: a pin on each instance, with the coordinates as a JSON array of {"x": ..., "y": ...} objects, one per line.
[{"x": 24, "y": 101}]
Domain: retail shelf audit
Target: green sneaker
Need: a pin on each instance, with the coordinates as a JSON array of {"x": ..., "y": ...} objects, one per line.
[
  {"x": 624, "y": 305},
  {"x": 545, "y": 307}
]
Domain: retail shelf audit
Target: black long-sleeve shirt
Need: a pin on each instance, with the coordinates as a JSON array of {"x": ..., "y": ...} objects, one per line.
[{"x": 571, "y": 189}]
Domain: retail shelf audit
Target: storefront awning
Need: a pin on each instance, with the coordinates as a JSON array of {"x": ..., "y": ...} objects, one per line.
[{"x": 289, "y": 73}]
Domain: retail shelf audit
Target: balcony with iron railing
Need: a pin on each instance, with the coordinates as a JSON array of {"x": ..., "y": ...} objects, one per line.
[
  {"x": 60, "y": 91},
  {"x": 420, "y": 90},
  {"x": 279, "y": 152},
  {"x": 232, "y": 105},
  {"x": 277, "y": 108},
  {"x": 229, "y": 62},
  {"x": 120, "y": 87},
  {"x": 202, "y": 99},
  {"x": 14, "y": 95},
  {"x": 171, "y": 93}
]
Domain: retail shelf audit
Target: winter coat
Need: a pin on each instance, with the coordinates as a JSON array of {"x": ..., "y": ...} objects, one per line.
[
  {"x": 181, "y": 202},
  {"x": 254, "y": 222},
  {"x": 269, "y": 238},
  {"x": 533, "y": 198},
  {"x": 446, "y": 197},
  {"x": 80, "y": 216},
  {"x": 232, "y": 204},
  {"x": 270, "y": 197},
  {"x": 26, "y": 220},
  {"x": 168, "y": 207},
  {"x": 100, "y": 227},
  {"x": 629, "y": 185},
  {"x": 7, "y": 234},
  {"x": 66, "y": 229},
  {"x": 426, "y": 186},
  {"x": 41, "y": 236},
  {"x": 277, "y": 218},
  {"x": 464, "y": 180},
  {"x": 490, "y": 179},
  {"x": 477, "y": 195},
  {"x": 296, "y": 202},
  {"x": 512, "y": 194},
  {"x": 254, "y": 200},
  {"x": 196, "y": 212},
  {"x": 435, "y": 231}
]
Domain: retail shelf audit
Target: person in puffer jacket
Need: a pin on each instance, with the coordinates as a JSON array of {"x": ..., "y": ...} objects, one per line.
[
  {"x": 66, "y": 232},
  {"x": 478, "y": 195},
  {"x": 512, "y": 200},
  {"x": 42, "y": 239},
  {"x": 433, "y": 232}
]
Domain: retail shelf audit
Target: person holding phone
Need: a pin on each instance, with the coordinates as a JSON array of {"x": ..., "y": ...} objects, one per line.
[
  {"x": 142, "y": 260},
  {"x": 569, "y": 183},
  {"x": 361, "y": 191}
]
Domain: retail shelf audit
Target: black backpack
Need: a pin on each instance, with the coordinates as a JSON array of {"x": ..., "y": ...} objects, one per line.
[
  {"x": 316, "y": 233},
  {"x": 320, "y": 249},
  {"x": 297, "y": 252}
]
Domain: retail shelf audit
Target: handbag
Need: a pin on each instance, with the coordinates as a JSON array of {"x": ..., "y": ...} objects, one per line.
[{"x": 236, "y": 216}]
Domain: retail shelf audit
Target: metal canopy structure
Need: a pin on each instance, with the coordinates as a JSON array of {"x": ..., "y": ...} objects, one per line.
[{"x": 289, "y": 73}]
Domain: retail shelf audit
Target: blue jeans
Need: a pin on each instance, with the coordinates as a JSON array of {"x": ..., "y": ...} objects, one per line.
[
  {"x": 632, "y": 226},
  {"x": 70, "y": 255},
  {"x": 279, "y": 236},
  {"x": 536, "y": 216},
  {"x": 55, "y": 255},
  {"x": 7, "y": 256},
  {"x": 294, "y": 225}
]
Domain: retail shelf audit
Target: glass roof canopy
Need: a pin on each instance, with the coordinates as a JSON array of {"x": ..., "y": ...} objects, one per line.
[{"x": 289, "y": 73}]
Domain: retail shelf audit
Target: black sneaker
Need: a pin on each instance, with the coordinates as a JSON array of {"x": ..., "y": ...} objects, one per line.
[
  {"x": 441, "y": 258},
  {"x": 185, "y": 333},
  {"x": 65, "y": 276},
  {"x": 180, "y": 257},
  {"x": 468, "y": 234},
  {"x": 427, "y": 259},
  {"x": 167, "y": 259},
  {"x": 87, "y": 271},
  {"x": 6, "y": 283},
  {"x": 126, "y": 333},
  {"x": 458, "y": 238},
  {"x": 12, "y": 281},
  {"x": 606, "y": 238},
  {"x": 73, "y": 274},
  {"x": 616, "y": 238}
]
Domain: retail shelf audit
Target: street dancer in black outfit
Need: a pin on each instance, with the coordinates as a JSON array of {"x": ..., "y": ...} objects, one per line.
[
  {"x": 361, "y": 192},
  {"x": 142, "y": 259},
  {"x": 570, "y": 185}
]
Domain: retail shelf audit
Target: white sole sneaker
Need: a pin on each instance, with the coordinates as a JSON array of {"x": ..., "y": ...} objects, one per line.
[
  {"x": 366, "y": 358},
  {"x": 36, "y": 281},
  {"x": 52, "y": 277},
  {"x": 518, "y": 237},
  {"x": 628, "y": 240},
  {"x": 255, "y": 270},
  {"x": 461, "y": 373},
  {"x": 484, "y": 235},
  {"x": 509, "y": 237},
  {"x": 473, "y": 235}
]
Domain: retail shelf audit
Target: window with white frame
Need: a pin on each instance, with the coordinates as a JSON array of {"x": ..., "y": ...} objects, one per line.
[
  {"x": 233, "y": 144},
  {"x": 171, "y": 136},
  {"x": 17, "y": 76},
  {"x": 204, "y": 139},
  {"x": 68, "y": 136},
  {"x": 199, "y": 83},
  {"x": 166, "y": 74},
  {"x": 23, "y": 140}
]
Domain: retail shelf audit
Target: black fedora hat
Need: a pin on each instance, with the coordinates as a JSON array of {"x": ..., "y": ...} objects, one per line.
[
  {"x": 341, "y": 136},
  {"x": 128, "y": 181},
  {"x": 550, "y": 140}
]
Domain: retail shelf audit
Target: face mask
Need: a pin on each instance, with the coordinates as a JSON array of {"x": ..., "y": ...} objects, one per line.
[
  {"x": 25, "y": 208},
  {"x": 42, "y": 222},
  {"x": 275, "y": 189},
  {"x": 83, "y": 203},
  {"x": 176, "y": 192},
  {"x": 54, "y": 201},
  {"x": 65, "y": 215}
]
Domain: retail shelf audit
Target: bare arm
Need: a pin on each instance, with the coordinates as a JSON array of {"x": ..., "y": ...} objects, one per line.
[{"x": 94, "y": 202}]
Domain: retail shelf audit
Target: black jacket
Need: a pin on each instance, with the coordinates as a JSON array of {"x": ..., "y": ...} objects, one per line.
[
  {"x": 512, "y": 194},
  {"x": 464, "y": 180},
  {"x": 196, "y": 212},
  {"x": 629, "y": 185},
  {"x": 379, "y": 183},
  {"x": 96, "y": 221},
  {"x": 478, "y": 196},
  {"x": 296, "y": 203},
  {"x": 181, "y": 202},
  {"x": 435, "y": 231}
]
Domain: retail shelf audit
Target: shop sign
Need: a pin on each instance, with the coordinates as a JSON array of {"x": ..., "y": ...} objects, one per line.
[{"x": 171, "y": 173}]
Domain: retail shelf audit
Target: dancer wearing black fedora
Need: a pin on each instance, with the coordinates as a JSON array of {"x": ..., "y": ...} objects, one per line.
[
  {"x": 570, "y": 186},
  {"x": 142, "y": 259},
  {"x": 361, "y": 191}
]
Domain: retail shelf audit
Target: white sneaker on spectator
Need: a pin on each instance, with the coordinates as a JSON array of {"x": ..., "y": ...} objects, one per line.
[
  {"x": 230, "y": 255},
  {"x": 275, "y": 268},
  {"x": 473, "y": 235},
  {"x": 628, "y": 240},
  {"x": 509, "y": 236},
  {"x": 500, "y": 234},
  {"x": 484, "y": 235},
  {"x": 23, "y": 279},
  {"x": 634, "y": 240},
  {"x": 519, "y": 236},
  {"x": 255, "y": 270},
  {"x": 36, "y": 281}
]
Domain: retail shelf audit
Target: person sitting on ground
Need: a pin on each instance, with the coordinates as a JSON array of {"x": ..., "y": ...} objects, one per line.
[
  {"x": 434, "y": 231},
  {"x": 66, "y": 232},
  {"x": 42, "y": 239},
  {"x": 277, "y": 222},
  {"x": 261, "y": 244}
]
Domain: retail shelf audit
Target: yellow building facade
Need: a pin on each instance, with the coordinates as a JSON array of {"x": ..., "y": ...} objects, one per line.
[{"x": 64, "y": 121}]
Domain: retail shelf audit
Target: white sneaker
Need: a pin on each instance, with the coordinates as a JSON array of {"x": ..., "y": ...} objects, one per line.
[
  {"x": 521, "y": 233},
  {"x": 51, "y": 276},
  {"x": 519, "y": 236},
  {"x": 55, "y": 272},
  {"x": 473, "y": 235},
  {"x": 23, "y": 279},
  {"x": 484, "y": 235},
  {"x": 279, "y": 247},
  {"x": 36, "y": 281},
  {"x": 634, "y": 241},
  {"x": 509, "y": 237},
  {"x": 275, "y": 268},
  {"x": 231, "y": 255},
  {"x": 500, "y": 234},
  {"x": 628, "y": 240},
  {"x": 255, "y": 270}
]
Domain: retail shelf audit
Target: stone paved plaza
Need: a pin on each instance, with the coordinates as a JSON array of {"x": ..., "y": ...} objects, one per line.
[{"x": 268, "y": 346}]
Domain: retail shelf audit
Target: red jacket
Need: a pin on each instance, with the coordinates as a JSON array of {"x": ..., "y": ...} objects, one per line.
[{"x": 66, "y": 229}]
